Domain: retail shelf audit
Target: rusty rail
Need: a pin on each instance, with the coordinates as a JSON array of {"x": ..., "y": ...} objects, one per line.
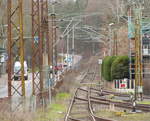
[{"x": 87, "y": 99}]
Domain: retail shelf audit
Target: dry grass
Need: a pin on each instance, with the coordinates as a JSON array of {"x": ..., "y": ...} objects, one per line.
[
  {"x": 17, "y": 116},
  {"x": 54, "y": 112},
  {"x": 121, "y": 116},
  {"x": 6, "y": 113}
]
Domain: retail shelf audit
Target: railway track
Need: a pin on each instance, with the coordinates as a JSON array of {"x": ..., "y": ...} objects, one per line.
[
  {"x": 123, "y": 104},
  {"x": 89, "y": 94},
  {"x": 108, "y": 92},
  {"x": 80, "y": 108}
]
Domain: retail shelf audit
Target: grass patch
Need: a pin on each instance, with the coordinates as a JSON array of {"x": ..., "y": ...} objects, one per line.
[
  {"x": 111, "y": 96},
  {"x": 62, "y": 96},
  {"x": 56, "y": 111},
  {"x": 121, "y": 116},
  {"x": 115, "y": 100},
  {"x": 57, "y": 107},
  {"x": 144, "y": 102}
]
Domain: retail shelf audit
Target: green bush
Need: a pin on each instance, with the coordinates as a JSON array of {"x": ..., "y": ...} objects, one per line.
[
  {"x": 106, "y": 67},
  {"x": 120, "y": 68}
]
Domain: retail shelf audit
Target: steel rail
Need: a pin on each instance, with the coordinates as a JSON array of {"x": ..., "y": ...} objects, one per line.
[
  {"x": 88, "y": 99},
  {"x": 96, "y": 118},
  {"x": 117, "y": 93},
  {"x": 123, "y": 104}
]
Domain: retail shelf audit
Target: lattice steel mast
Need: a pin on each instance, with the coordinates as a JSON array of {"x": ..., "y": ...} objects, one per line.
[
  {"x": 45, "y": 28},
  {"x": 40, "y": 44},
  {"x": 37, "y": 56},
  {"x": 15, "y": 44},
  {"x": 138, "y": 52}
]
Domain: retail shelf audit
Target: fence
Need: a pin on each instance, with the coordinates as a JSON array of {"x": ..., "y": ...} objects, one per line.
[{"x": 124, "y": 84}]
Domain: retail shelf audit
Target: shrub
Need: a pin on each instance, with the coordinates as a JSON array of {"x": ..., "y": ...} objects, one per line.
[
  {"x": 106, "y": 67},
  {"x": 120, "y": 68}
]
